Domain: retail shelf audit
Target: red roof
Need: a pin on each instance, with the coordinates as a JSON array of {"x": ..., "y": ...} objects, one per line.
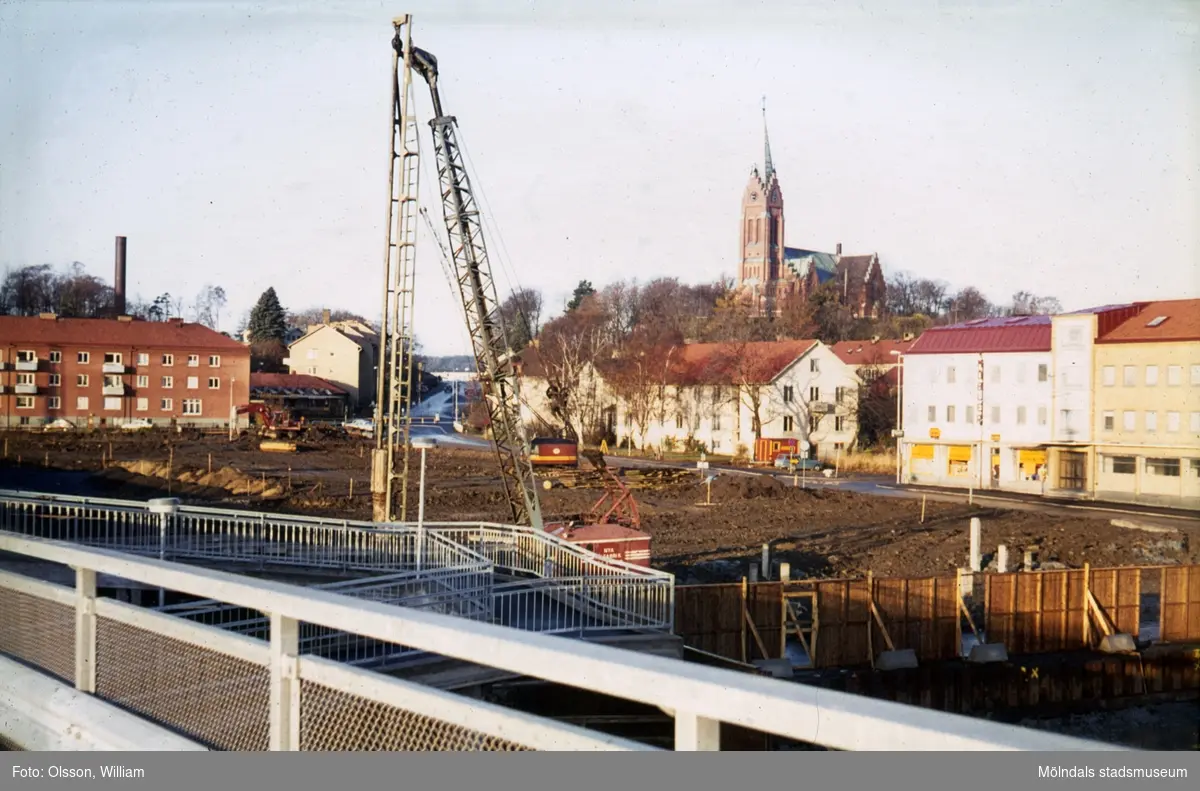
[
  {"x": 114, "y": 334},
  {"x": 1180, "y": 321},
  {"x": 882, "y": 352},
  {"x": 1014, "y": 334},
  {"x": 262, "y": 381},
  {"x": 757, "y": 362}
]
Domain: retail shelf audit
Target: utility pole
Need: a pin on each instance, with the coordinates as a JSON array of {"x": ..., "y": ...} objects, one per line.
[{"x": 393, "y": 390}]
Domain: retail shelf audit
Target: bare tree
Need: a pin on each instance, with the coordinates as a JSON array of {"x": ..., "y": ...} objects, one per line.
[{"x": 206, "y": 309}]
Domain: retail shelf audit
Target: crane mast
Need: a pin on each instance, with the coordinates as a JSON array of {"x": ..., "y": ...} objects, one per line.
[
  {"x": 472, "y": 273},
  {"x": 394, "y": 375}
]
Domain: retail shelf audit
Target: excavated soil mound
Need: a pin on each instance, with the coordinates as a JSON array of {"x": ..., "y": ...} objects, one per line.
[{"x": 745, "y": 487}]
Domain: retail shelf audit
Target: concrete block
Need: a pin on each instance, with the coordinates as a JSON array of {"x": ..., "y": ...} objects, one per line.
[
  {"x": 1028, "y": 565},
  {"x": 988, "y": 653},
  {"x": 785, "y": 571},
  {"x": 777, "y": 668},
  {"x": 163, "y": 505},
  {"x": 766, "y": 561},
  {"x": 1002, "y": 559},
  {"x": 896, "y": 660},
  {"x": 976, "y": 535},
  {"x": 1118, "y": 644}
]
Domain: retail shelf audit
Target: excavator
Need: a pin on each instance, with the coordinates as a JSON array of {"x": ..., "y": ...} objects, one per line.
[{"x": 471, "y": 272}]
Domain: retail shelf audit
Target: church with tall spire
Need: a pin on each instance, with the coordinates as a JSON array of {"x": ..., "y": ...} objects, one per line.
[{"x": 770, "y": 272}]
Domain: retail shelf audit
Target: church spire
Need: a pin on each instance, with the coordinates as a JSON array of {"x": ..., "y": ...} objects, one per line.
[{"x": 768, "y": 168}]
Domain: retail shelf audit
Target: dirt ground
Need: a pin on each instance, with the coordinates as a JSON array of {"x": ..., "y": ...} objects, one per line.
[{"x": 821, "y": 532}]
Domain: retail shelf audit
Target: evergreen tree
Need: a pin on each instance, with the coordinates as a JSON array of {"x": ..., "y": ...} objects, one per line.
[
  {"x": 582, "y": 292},
  {"x": 268, "y": 320}
]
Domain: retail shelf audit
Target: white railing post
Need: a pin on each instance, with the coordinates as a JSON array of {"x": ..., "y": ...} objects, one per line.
[
  {"x": 285, "y": 683},
  {"x": 694, "y": 733},
  {"x": 85, "y": 630}
]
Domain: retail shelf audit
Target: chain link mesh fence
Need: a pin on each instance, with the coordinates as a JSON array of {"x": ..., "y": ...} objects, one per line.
[
  {"x": 216, "y": 699},
  {"x": 332, "y": 720},
  {"x": 38, "y": 631}
]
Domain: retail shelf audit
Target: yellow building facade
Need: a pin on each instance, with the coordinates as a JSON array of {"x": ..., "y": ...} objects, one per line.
[{"x": 1146, "y": 408}]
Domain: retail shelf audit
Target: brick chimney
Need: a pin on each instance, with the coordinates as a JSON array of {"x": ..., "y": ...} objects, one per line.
[
  {"x": 119, "y": 279},
  {"x": 325, "y": 315},
  {"x": 839, "y": 248}
]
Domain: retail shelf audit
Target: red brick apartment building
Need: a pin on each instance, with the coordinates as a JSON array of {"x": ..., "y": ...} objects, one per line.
[{"x": 107, "y": 372}]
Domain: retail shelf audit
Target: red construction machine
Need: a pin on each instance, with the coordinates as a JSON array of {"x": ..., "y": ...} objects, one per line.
[{"x": 273, "y": 423}]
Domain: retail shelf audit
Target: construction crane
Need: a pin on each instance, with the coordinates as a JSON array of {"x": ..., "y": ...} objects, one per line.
[
  {"x": 394, "y": 380},
  {"x": 473, "y": 276}
]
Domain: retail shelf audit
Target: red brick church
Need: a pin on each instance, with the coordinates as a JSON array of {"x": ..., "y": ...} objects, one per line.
[{"x": 771, "y": 273}]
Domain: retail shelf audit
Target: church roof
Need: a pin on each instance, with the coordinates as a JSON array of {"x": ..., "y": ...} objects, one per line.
[{"x": 799, "y": 261}]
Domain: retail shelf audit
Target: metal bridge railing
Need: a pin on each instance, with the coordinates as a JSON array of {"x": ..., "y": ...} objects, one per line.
[
  {"x": 632, "y": 596},
  {"x": 229, "y": 691}
]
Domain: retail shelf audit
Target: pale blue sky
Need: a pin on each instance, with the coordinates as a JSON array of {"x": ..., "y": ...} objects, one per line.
[{"x": 1046, "y": 145}]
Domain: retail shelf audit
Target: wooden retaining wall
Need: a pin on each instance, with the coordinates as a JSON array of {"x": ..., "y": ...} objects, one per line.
[{"x": 848, "y": 622}]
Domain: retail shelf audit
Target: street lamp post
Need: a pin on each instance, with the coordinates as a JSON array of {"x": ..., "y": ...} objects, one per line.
[{"x": 424, "y": 444}]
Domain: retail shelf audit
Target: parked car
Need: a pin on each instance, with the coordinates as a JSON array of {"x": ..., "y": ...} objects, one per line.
[
  {"x": 137, "y": 424},
  {"x": 794, "y": 461}
]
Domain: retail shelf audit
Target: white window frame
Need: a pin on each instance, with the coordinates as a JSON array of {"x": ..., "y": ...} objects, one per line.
[
  {"x": 81, "y": 403},
  {"x": 1151, "y": 375},
  {"x": 83, "y": 358},
  {"x": 143, "y": 380},
  {"x": 1172, "y": 422},
  {"x": 1129, "y": 420},
  {"x": 214, "y": 383},
  {"x": 113, "y": 358},
  {"x": 168, "y": 360},
  {"x": 112, "y": 403},
  {"x": 166, "y": 404},
  {"x": 1151, "y": 419},
  {"x": 25, "y": 401},
  {"x": 193, "y": 361},
  {"x": 1110, "y": 420},
  {"x": 1174, "y": 375},
  {"x": 54, "y": 402},
  {"x": 193, "y": 407},
  {"x": 55, "y": 380},
  {"x": 167, "y": 383},
  {"x": 193, "y": 383},
  {"x": 143, "y": 358},
  {"x": 214, "y": 361},
  {"x": 1109, "y": 374},
  {"x": 82, "y": 380},
  {"x": 143, "y": 404},
  {"x": 55, "y": 356}
]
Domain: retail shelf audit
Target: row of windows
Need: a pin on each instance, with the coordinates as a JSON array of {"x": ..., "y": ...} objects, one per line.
[
  {"x": 969, "y": 416},
  {"x": 1043, "y": 374},
  {"x": 117, "y": 358},
  {"x": 110, "y": 380},
  {"x": 789, "y": 423},
  {"x": 191, "y": 406},
  {"x": 1149, "y": 421},
  {"x": 1129, "y": 375},
  {"x": 1166, "y": 467},
  {"x": 814, "y": 393}
]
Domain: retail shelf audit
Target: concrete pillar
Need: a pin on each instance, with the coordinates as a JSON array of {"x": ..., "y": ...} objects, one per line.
[
  {"x": 766, "y": 561},
  {"x": 976, "y": 529},
  {"x": 753, "y": 573},
  {"x": 1028, "y": 566},
  {"x": 1002, "y": 559},
  {"x": 785, "y": 572}
]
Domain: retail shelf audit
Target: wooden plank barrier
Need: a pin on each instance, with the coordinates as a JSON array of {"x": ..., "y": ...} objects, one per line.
[{"x": 832, "y": 620}]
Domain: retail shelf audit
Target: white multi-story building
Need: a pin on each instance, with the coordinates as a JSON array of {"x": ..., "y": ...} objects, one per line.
[
  {"x": 718, "y": 397},
  {"x": 977, "y": 401}
]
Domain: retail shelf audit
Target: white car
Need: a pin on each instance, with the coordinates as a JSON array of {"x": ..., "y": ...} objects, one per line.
[{"x": 137, "y": 424}]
